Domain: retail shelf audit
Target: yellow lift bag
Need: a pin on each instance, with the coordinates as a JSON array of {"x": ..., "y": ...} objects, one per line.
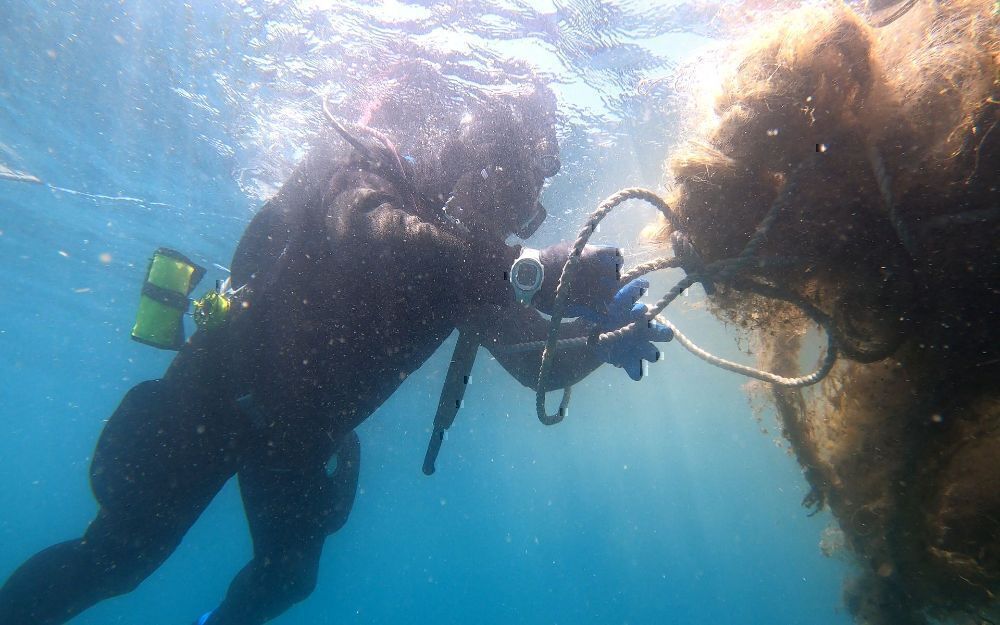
[{"x": 169, "y": 280}]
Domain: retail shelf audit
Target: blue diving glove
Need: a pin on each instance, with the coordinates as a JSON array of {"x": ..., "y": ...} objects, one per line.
[{"x": 629, "y": 352}]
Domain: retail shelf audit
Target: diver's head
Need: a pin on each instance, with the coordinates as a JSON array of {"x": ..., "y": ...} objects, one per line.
[
  {"x": 480, "y": 149},
  {"x": 503, "y": 154}
]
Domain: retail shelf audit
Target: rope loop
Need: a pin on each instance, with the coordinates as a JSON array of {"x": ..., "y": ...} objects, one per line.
[
  {"x": 566, "y": 279},
  {"x": 687, "y": 258}
]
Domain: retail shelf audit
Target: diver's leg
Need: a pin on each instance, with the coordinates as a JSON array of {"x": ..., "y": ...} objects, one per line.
[
  {"x": 344, "y": 482},
  {"x": 291, "y": 510},
  {"x": 156, "y": 467}
]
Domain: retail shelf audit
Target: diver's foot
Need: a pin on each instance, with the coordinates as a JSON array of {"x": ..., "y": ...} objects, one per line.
[{"x": 203, "y": 619}]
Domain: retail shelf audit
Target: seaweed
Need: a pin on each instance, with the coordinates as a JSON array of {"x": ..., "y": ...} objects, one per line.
[{"x": 895, "y": 233}]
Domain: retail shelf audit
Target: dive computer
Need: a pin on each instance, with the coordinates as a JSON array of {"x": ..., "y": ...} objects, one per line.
[{"x": 527, "y": 274}]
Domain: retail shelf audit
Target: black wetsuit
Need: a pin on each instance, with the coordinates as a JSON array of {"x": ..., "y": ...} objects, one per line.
[{"x": 348, "y": 291}]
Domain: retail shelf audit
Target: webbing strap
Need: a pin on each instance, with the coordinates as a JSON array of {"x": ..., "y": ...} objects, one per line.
[{"x": 173, "y": 299}]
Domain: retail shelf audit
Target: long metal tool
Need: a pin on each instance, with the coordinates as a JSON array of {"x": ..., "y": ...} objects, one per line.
[{"x": 452, "y": 393}]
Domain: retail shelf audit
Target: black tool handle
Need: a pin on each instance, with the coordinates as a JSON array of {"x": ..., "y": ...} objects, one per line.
[
  {"x": 433, "y": 447},
  {"x": 452, "y": 393}
]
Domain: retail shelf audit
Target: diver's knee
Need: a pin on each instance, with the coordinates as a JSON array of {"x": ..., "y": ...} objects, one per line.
[
  {"x": 350, "y": 445},
  {"x": 300, "y": 587},
  {"x": 125, "y": 573},
  {"x": 122, "y": 580},
  {"x": 348, "y": 455},
  {"x": 124, "y": 553},
  {"x": 144, "y": 396},
  {"x": 292, "y": 579},
  {"x": 343, "y": 484},
  {"x": 117, "y": 573}
]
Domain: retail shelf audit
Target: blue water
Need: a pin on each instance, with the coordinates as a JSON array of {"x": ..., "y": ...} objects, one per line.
[{"x": 664, "y": 501}]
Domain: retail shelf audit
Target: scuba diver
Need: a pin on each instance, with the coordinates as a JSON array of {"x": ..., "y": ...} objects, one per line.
[{"x": 388, "y": 236}]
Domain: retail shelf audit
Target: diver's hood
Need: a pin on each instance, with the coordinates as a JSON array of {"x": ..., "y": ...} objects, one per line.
[{"x": 489, "y": 186}]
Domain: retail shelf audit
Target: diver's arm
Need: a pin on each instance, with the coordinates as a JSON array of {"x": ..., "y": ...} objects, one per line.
[
  {"x": 513, "y": 324},
  {"x": 371, "y": 220},
  {"x": 375, "y": 217},
  {"x": 475, "y": 271},
  {"x": 573, "y": 363},
  {"x": 595, "y": 281}
]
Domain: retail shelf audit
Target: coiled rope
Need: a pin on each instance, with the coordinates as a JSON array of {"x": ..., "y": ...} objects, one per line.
[{"x": 717, "y": 271}]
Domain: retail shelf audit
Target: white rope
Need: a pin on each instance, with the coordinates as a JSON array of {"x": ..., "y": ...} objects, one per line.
[
  {"x": 829, "y": 359},
  {"x": 721, "y": 270}
]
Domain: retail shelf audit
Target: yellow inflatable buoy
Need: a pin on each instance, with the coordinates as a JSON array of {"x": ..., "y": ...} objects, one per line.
[{"x": 169, "y": 280}]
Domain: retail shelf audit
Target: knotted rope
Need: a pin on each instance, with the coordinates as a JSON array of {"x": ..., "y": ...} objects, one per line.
[{"x": 717, "y": 271}]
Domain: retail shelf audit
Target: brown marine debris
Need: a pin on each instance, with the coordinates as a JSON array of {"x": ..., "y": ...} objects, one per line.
[{"x": 884, "y": 139}]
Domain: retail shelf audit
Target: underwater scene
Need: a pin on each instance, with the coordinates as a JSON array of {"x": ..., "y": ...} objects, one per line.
[{"x": 539, "y": 312}]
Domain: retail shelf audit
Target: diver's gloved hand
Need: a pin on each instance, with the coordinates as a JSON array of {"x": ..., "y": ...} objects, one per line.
[
  {"x": 629, "y": 352},
  {"x": 594, "y": 282}
]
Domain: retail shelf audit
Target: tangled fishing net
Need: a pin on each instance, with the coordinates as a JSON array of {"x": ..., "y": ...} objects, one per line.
[{"x": 888, "y": 137}]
